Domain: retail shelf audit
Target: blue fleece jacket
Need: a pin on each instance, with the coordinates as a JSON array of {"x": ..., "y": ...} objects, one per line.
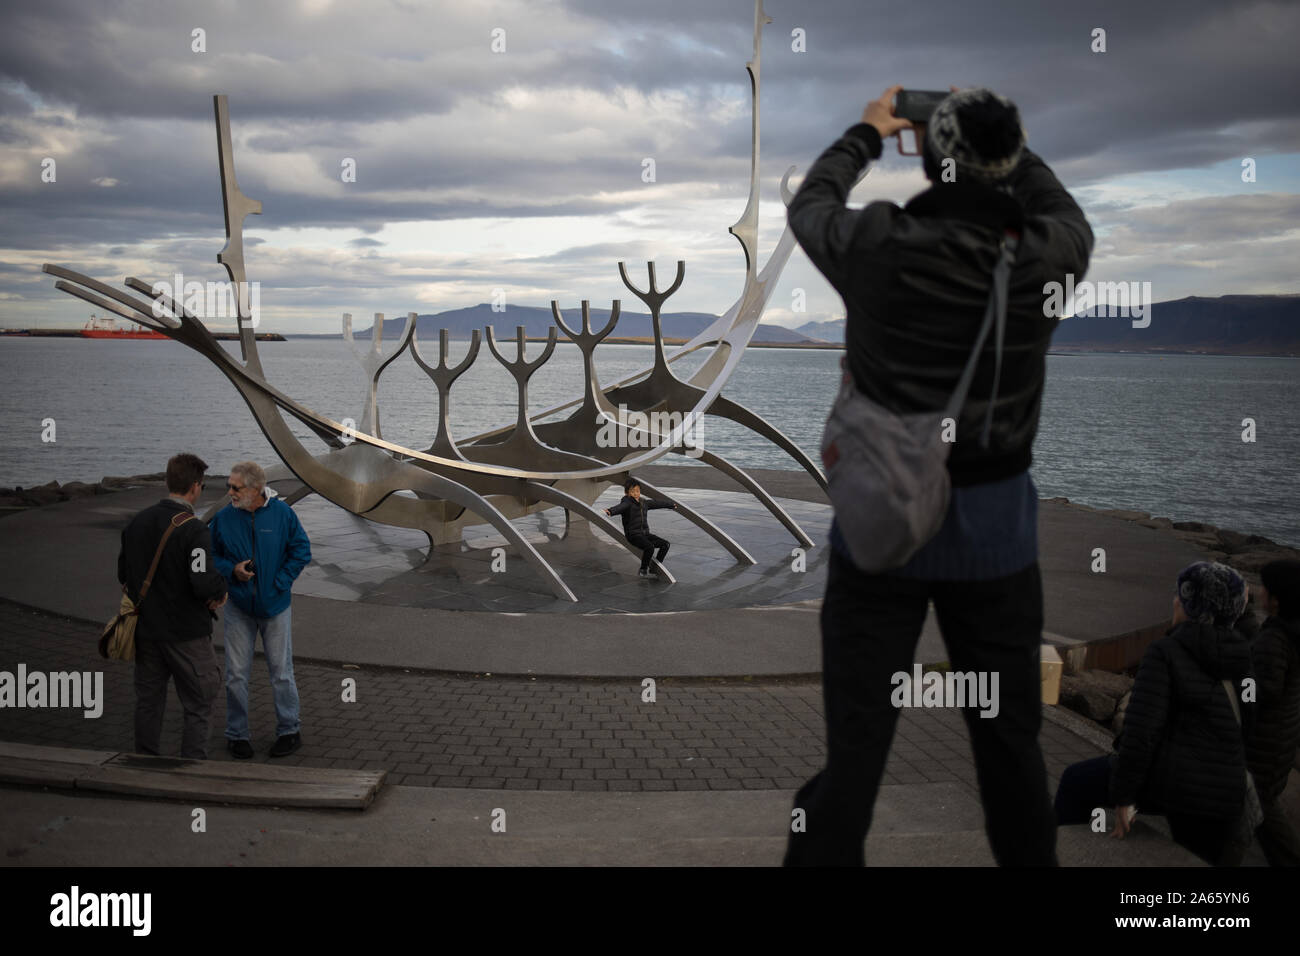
[{"x": 283, "y": 550}]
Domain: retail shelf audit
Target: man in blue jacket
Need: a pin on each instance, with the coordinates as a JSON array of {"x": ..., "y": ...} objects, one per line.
[{"x": 261, "y": 548}]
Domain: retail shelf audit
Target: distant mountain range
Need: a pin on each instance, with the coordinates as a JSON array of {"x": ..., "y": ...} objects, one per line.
[
  {"x": 1228, "y": 324},
  {"x": 832, "y": 331},
  {"x": 537, "y": 321}
]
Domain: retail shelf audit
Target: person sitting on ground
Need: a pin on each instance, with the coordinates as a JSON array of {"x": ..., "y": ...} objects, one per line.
[
  {"x": 636, "y": 526},
  {"x": 1181, "y": 751},
  {"x": 1271, "y": 746}
]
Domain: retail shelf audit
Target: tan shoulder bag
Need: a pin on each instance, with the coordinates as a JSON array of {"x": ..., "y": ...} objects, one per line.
[{"x": 117, "y": 642}]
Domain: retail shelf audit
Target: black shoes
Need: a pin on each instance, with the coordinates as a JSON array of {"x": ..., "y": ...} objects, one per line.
[
  {"x": 243, "y": 750},
  {"x": 286, "y": 745},
  {"x": 239, "y": 749}
]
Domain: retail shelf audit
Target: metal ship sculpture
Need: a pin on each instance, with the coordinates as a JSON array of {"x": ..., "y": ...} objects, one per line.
[{"x": 543, "y": 459}]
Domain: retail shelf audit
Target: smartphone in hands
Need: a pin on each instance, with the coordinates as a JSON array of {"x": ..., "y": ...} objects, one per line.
[{"x": 917, "y": 106}]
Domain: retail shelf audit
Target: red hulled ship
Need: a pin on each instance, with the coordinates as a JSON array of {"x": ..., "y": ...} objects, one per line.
[{"x": 106, "y": 328}]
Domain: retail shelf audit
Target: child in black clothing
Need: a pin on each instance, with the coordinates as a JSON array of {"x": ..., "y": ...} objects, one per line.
[{"x": 636, "y": 525}]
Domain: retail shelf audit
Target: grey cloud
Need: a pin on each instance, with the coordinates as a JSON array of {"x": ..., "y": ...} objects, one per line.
[
  {"x": 1247, "y": 216},
  {"x": 399, "y": 88}
]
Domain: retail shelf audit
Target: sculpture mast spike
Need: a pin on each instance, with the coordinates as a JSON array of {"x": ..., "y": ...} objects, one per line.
[
  {"x": 236, "y": 207},
  {"x": 746, "y": 228}
]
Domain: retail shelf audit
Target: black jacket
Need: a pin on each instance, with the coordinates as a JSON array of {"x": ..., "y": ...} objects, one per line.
[
  {"x": 635, "y": 521},
  {"x": 1271, "y": 746},
  {"x": 915, "y": 283},
  {"x": 176, "y": 606},
  {"x": 1181, "y": 749}
]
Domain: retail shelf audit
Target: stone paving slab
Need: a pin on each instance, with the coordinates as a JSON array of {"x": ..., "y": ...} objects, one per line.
[{"x": 358, "y": 560}]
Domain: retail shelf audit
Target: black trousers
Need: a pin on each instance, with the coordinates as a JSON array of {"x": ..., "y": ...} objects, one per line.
[
  {"x": 1085, "y": 786},
  {"x": 193, "y": 666},
  {"x": 870, "y": 626},
  {"x": 647, "y": 543}
]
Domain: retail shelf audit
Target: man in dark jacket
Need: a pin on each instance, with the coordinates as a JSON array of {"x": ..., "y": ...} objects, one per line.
[
  {"x": 915, "y": 282},
  {"x": 1181, "y": 752},
  {"x": 173, "y": 637},
  {"x": 1271, "y": 746},
  {"x": 636, "y": 525}
]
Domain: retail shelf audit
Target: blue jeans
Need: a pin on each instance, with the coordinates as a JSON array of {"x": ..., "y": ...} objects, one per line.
[{"x": 277, "y": 644}]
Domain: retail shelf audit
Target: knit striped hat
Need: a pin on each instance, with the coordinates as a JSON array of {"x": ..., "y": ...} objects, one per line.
[
  {"x": 1212, "y": 593},
  {"x": 980, "y": 131}
]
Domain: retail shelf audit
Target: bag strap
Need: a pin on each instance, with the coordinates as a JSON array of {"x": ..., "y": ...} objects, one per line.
[
  {"x": 172, "y": 525},
  {"x": 994, "y": 312},
  {"x": 1232, "y": 699}
]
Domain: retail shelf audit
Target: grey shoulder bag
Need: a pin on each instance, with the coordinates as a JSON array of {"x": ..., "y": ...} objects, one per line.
[{"x": 887, "y": 473}]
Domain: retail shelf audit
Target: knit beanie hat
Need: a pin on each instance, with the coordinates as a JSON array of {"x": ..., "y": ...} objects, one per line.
[
  {"x": 1282, "y": 578},
  {"x": 1212, "y": 593},
  {"x": 980, "y": 131}
]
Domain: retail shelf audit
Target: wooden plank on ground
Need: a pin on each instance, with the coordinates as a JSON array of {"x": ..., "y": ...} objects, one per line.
[
  {"x": 259, "y": 784},
  {"x": 41, "y": 773},
  {"x": 178, "y": 784},
  {"x": 54, "y": 754},
  {"x": 245, "y": 770}
]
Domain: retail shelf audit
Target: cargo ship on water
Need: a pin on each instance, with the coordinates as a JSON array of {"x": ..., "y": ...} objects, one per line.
[{"x": 105, "y": 328}]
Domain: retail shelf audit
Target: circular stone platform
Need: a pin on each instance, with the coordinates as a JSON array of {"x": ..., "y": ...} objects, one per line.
[
  {"x": 357, "y": 560},
  {"x": 63, "y": 558}
]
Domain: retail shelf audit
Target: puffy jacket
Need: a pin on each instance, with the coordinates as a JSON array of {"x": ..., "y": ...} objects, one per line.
[
  {"x": 634, "y": 511},
  {"x": 282, "y": 551},
  {"x": 915, "y": 282},
  {"x": 1271, "y": 746},
  {"x": 176, "y": 606},
  {"x": 1181, "y": 749}
]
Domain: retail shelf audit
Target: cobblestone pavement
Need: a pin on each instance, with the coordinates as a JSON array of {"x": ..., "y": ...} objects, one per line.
[{"x": 529, "y": 734}]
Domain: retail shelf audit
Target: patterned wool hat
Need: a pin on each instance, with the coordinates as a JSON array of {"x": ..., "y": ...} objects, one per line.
[
  {"x": 1212, "y": 593},
  {"x": 980, "y": 131}
]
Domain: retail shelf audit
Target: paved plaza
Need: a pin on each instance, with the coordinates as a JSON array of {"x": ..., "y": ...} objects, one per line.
[
  {"x": 440, "y": 730},
  {"x": 481, "y": 684}
]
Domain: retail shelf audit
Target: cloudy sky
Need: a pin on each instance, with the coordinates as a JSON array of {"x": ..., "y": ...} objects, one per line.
[{"x": 522, "y": 168}]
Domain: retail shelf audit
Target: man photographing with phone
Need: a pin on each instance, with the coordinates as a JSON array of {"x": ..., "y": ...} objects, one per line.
[{"x": 916, "y": 282}]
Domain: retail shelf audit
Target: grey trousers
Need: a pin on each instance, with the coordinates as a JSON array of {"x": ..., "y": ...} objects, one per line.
[{"x": 193, "y": 666}]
